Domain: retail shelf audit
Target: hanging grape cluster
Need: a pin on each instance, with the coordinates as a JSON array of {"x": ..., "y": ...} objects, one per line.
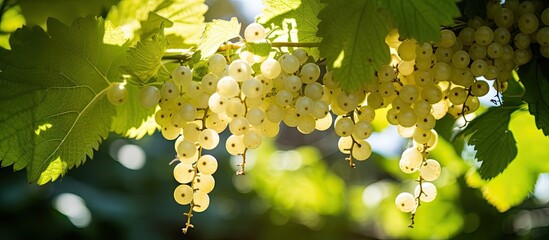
[{"x": 422, "y": 83}]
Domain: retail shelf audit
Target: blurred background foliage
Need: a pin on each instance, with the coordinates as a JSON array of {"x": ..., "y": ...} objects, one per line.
[{"x": 296, "y": 186}]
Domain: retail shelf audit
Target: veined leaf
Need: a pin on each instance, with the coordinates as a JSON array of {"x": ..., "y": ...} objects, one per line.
[
  {"x": 292, "y": 21},
  {"x": 493, "y": 141},
  {"x": 217, "y": 32},
  {"x": 131, "y": 118},
  {"x": 353, "y": 41},
  {"x": 52, "y": 96},
  {"x": 536, "y": 83},
  {"x": 421, "y": 19},
  {"x": 145, "y": 59},
  {"x": 517, "y": 181}
]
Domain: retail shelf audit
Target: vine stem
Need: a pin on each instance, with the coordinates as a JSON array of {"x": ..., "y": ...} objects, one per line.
[{"x": 231, "y": 46}]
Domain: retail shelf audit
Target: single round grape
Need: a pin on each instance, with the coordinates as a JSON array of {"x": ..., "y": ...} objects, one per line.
[
  {"x": 215, "y": 123},
  {"x": 363, "y": 129},
  {"x": 324, "y": 123},
  {"x": 292, "y": 83},
  {"x": 405, "y": 202},
  {"x": 344, "y": 126},
  {"x": 186, "y": 149},
  {"x": 424, "y": 77},
  {"x": 409, "y": 93},
  {"x": 254, "y": 32},
  {"x": 207, "y": 164},
  {"x": 528, "y": 23},
  {"x": 269, "y": 129},
  {"x": 217, "y": 63},
  {"x": 494, "y": 50},
  {"x": 480, "y": 88},
  {"x": 479, "y": 67},
  {"x": 201, "y": 201},
  {"x": 426, "y": 122},
  {"x": 362, "y": 150},
  {"x": 406, "y": 67},
  {"x": 274, "y": 113},
  {"x": 442, "y": 71},
  {"x": 301, "y": 54},
  {"x": 522, "y": 41},
  {"x": 235, "y": 108},
  {"x": 421, "y": 136},
  {"x": 191, "y": 132},
  {"x": 407, "y": 50},
  {"x": 228, "y": 87},
  {"x": 545, "y": 17},
  {"x": 543, "y": 36},
  {"x": 182, "y": 76},
  {"x": 289, "y": 63},
  {"x": 270, "y": 68},
  {"x": 255, "y": 116},
  {"x": 217, "y": 103},
  {"x": 457, "y": 95},
  {"x": 291, "y": 118},
  {"x": 428, "y": 192},
  {"x": 187, "y": 112},
  {"x": 344, "y": 144},
  {"x": 410, "y": 160},
  {"x": 392, "y": 116},
  {"x": 522, "y": 56},
  {"x": 149, "y": 96},
  {"x": 304, "y": 105},
  {"x": 366, "y": 113},
  {"x": 544, "y": 50},
  {"x": 240, "y": 70},
  {"x": 306, "y": 124},
  {"x": 424, "y": 51},
  {"x": 314, "y": 90},
  {"x": 430, "y": 170},
  {"x": 477, "y": 51},
  {"x": 440, "y": 109},
  {"x": 484, "y": 35},
  {"x": 505, "y": 18},
  {"x": 162, "y": 117},
  {"x": 117, "y": 94},
  {"x": 252, "y": 139},
  {"x": 239, "y": 125},
  {"x": 422, "y": 108},
  {"x": 375, "y": 100},
  {"x": 235, "y": 145},
  {"x": 183, "y": 172},
  {"x": 447, "y": 38},
  {"x": 431, "y": 93},
  {"x": 405, "y": 133},
  {"x": 183, "y": 194},
  {"x": 252, "y": 88},
  {"x": 502, "y": 36},
  {"x": 461, "y": 59},
  {"x": 209, "y": 83},
  {"x": 170, "y": 132},
  {"x": 309, "y": 73},
  {"x": 467, "y": 35},
  {"x": 407, "y": 117},
  {"x": 208, "y": 139}
]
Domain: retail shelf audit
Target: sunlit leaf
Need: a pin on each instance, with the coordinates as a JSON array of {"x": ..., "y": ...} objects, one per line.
[{"x": 218, "y": 32}]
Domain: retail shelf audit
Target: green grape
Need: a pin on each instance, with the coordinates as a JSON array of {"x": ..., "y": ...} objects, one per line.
[
  {"x": 269, "y": 129},
  {"x": 301, "y": 55},
  {"x": 362, "y": 150},
  {"x": 182, "y": 76},
  {"x": 467, "y": 36},
  {"x": 306, "y": 124},
  {"x": 314, "y": 90},
  {"x": 274, "y": 113},
  {"x": 460, "y": 59},
  {"x": 480, "y": 88},
  {"x": 186, "y": 149},
  {"x": 187, "y": 112},
  {"x": 183, "y": 194},
  {"x": 201, "y": 201},
  {"x": 149, "y": 96},
  {"x": 522, "y": 41},
  {"x": 386, "y": 73},
  {"x": 502, "y": 36},
  {"x": 431, "y": 93},
  {"x": 407, "y": 50},
  {"x": 479, "y": 67},
  {"x": 457, "y": 95},
  {"x": 545, "y": 17},
  {"x": 405, "y": 202},
  {"x": 239, "y": 125},
  {"x": 426, "y": 122},
  {"x": 235, "y": 108},
  {"x": 528, "y": 23},
  {"x": 447, "y": 38},
  {"x": 170, "y": 132},
  {"x": 406, "y": 67},
  {"x": 428, "y": 192},
  {"x": 217, "y": 103},
  {"x": 252, "y": 88},
  {"x": 252, "y": 139},
  {"x": 240, "y": 70},
  {"x": 324, "y": 123},
  {"x": 193, "y": 90},
  {"x": 505, "y": 18},
  {"x": 117, "y": 93},
  {"x": 362, "y": 130},
  {"x": 289, "y": 63},
  {"x": 442, "y": 71},
  {"x": 270, "y": 68},
  {"x": 291, "y": 117},
  {"x": 292, "y": 83},
  {"x": 421, "y": 136},
  {"x": 344, "y": 144},
  {"x": 422, "y": 108},
  {"x": 310, "y": 72},
  {"x": 424, "y": 51},
  {"x": 477, "y": 51},
  {"x": 409, "y": 93},
  {"x": 484, "y": 35},
  {"x": 392, "y": 116},
  {"x": 208, "y": 139},
  {"x": 183, "y": 172},
  {"x": 209, "y": 83},
  {"x": 235, "y": 145},
  {"x": 217, "y": 63},
  {"x": 344, "y": 126},
  {"x": 304, "y": 105},
  {"x": 255, "y": 116},
  {"x": 207, "y": 164},
  {"x": 542, "y": 36},
  {"x": 366, "y": 113},
  {"x": 494, "y": 50},
  {"x": 386, "y": 89},
  {"x": 407, "y": 117},
  {"x": 191, "y": 132},
  {"x": 526, "y": 7},
  {"x": 430, "y": 170}
]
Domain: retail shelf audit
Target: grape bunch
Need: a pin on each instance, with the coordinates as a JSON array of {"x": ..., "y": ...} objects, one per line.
[{"x": 249, "y": 96}]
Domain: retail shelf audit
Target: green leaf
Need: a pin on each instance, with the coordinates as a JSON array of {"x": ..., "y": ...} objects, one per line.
[
  {"x": 292, "y": 21},
  {"x": 262, "y": 49},
  {"x": 52, "y": 88},
  {"x": 218, "y": 32},
  {"x": 152, "y": 25},
  {"x": 421, "y": 19},
  {"x": 472, "y": 8},
  {"x": 536, "y": 83},
  {"x": 517, "y": 181},
  {"x": 353, "y": 41},
  {"x": 145, "y": 59},
  {"x": 187, "y": 17},
  {"x": 130, "y": 118},
  {"x": 493, "y": 141}
]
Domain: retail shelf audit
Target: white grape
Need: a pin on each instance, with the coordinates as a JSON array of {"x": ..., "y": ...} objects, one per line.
[
  {"x": 240, "y": 70},
  {"x": 428, "y": 192},
  {"x": 430, "y": 170},
  {"x": 208, "y": 139},
  {"x": 270, "y": 68},
  {"x": 183, "y": 172},
  {"x": 182, "y": 76},
  {"x": 254, "y": 32},
  {"x": 149, "y": 96},
  {"x": 183, "y": 194},
  {"x": 117, "y": 94},
  {"x": 217, "y": 63},
  {"x": 405, "y": 202},
  {"x": 207, "y": 164}
]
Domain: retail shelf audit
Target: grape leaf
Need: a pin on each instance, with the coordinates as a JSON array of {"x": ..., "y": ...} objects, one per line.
[
  {"x": 217, "y": 32},
  {"x": 493, "y": 141},
  {"x": 152, "y": 24},
  {"x": 292, "y": 21},
  {"x": 421, "y": 19},
  {"x": 536, "y": 83},
  {"x": 52, "y": 96},
  {"x": 145, "y": 59},
  {"x": 187, "y": 17},
  {"x": 517, "y": 181},
  {"x": 353, "y": 41},
  {"x": 259, "y": 48}
]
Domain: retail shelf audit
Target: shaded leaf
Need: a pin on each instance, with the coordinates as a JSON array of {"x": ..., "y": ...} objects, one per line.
[
  {"x": 54, "y": 109},
  {"x": 494, "y": 143},
  {"x": 145, "y": 59},
  {"x": 130, "y": 118},
  {"x": 421, "y": 19},
  {"x": 353, "y": 41},
  {"x": 536, "y": 83}
]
